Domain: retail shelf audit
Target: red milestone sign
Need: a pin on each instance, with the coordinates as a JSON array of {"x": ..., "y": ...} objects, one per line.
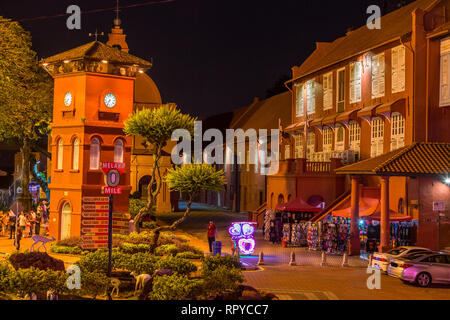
[{"x": 113, "y": 170}]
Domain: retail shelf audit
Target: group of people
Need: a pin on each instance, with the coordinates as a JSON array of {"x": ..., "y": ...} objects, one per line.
[{"x": 27, "y": 223}]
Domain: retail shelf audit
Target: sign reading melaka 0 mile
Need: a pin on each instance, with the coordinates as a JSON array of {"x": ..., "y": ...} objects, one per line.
[{"x": 112, "y": 171}]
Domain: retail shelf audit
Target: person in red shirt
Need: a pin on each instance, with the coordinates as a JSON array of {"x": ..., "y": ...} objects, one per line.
[{"x": 212, "y": 232}]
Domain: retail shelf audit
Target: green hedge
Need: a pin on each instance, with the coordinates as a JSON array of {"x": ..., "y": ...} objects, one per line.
[
  {"x": 56, "y": 248},
  {"x": 189, "y": 255},
  {"x": 211, "y": 263},
  {"x": 177, "y": 265},
  {"x": 176, "y": 287}
]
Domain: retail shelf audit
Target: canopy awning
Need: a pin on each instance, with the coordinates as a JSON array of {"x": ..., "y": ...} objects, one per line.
[
  {"x": 388, "y": 108},
  {"x": 367, "y": 206},
  {"x": 346, "y": 116},
  {"x": 368, "y": 112},
  {"x": 297, "y": 205},
  {"x": 295, "y": 126},
  {"x": 370, "y": 209}
]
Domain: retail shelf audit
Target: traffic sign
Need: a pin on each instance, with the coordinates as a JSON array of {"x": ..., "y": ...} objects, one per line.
[
  {"x": 112, "y": 190},
  {"x": 90, "y": 246},
  {"x": 104, "y": 207},
  {"x": 96, "y": 199}
]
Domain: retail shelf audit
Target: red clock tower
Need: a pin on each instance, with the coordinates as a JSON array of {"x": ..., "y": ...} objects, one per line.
[{"x": 93, "y": 96}]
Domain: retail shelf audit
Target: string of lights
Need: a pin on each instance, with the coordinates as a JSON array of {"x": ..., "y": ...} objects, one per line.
[{"x": 146, "y": 3}]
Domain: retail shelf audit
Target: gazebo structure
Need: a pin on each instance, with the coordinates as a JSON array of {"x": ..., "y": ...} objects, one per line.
[{"x": 426, "y": 166}]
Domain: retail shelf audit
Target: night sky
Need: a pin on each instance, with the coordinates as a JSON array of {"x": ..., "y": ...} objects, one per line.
[{"x": 210, "y": 56}]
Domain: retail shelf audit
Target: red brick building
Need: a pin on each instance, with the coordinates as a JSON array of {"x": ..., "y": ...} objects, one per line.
[{"x": 362, "y": 96}]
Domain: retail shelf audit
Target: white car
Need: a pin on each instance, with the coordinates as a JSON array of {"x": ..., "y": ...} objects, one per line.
[
  {"x": 397, "y": 265},
  {"x": 382, "y": 260}
]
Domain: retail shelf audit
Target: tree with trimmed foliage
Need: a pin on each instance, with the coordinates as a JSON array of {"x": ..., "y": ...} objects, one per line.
[
  {"x": 190, "y": 179},
  {"x": 156, "y": 126},
  {"x": 26, "y": 97}
]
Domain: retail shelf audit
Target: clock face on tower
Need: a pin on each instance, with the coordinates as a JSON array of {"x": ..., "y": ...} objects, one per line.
[
  {"x": 68, "y": 99},
  {"x": 110, "y": 100}
]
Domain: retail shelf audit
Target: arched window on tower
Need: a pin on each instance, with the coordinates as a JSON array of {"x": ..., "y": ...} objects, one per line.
[
  {"x": 118, "y": 150},
  {"x": 59, "y": 154},
  {"x": 75, "y": 154},
  {"x": 94, "y": 154}
]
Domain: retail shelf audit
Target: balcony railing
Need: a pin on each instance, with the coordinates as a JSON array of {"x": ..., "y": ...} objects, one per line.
[{"x": 318, "y": 167}]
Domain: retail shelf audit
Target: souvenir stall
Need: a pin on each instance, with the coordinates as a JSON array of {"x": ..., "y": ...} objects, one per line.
[
  {"x": 295, "y": 216},
  {"x": 336, "y": 228}
]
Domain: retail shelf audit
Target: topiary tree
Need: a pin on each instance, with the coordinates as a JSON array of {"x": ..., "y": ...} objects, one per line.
[
  {"x": 190, "y": 179},
  {"x": 156, "y": 126}
]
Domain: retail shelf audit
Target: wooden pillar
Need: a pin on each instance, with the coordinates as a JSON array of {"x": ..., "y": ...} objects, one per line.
[
  {"x": 384, "y": 223},
  {"x": 355, "y": 244}
]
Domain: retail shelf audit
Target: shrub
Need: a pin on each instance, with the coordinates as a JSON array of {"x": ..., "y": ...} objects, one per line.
[
  {"x": 184, "y": 247},
  {"x": 33, "y": 280},
  {"x": 94, "y": 283},
  {"x": 95, "y": 261},
  {"x": 56, "y": 248},
  {"x": 223, "y": 279},
  {"x": 135, "y": 206},
  {"x": 177, "y": 265},
  {"x": 5, "y": 272},
  {"x": 189, "y": 255},
  {"x": 149, "y": 225},
  {"x": 38, "y": 260},
  {"x": 143, "y": 237},
  {"x": 70, "y": 242},
  {"x": 170, "y": 249},
  {"x": 128, "y": 247},
  {"x": 176, "y": 287},
  {"x": 140, "y": 263},
  {"x": 211, "y": 263}
]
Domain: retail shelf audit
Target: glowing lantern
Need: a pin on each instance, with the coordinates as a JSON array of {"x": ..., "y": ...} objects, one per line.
[{"x": 242, "y": 235}]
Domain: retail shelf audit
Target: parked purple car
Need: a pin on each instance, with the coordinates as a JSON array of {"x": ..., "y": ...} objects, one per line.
[{"x": 427, "y": 269}]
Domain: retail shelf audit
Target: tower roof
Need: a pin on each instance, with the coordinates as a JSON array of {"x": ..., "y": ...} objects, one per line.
[{"x": 97, "y": 51}]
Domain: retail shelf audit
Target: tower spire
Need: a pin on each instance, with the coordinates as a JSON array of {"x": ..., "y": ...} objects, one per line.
[
  {"x": 117, "y": 38},
  {"x": 117, "y": 21}
]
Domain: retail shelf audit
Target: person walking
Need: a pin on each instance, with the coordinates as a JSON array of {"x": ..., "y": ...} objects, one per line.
[
  {"x": 32, "y": 221},
  {"x": 212, "y": 233},
  {"x": 12, "y": 223},
  {"x": 18, "y": 238},
  {"x": 37, "y": 226},
  {"x": 22, "y": 223}
]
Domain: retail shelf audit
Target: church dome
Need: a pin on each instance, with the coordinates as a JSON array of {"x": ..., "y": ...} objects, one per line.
[{"x": 146, "y": 91}]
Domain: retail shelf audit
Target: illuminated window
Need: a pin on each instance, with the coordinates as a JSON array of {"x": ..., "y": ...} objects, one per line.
[
  {"x": 378, "y": 67},
  {"x": 298, "y": 146},
  {"x": 310, "y": 145},
  {"x": 95, "y": 154},
  {"x": 397, "y": 131},
  {"x": 118, "y": 151},
  {"x": 327, "y": 140},
  {"x": 327, "y": 91},
  {"x": 310, "y": 97},
  {"x": 355, "y": 137},
  {"x": 59, "y": 154},
  {"x": 444, "y": 96},
  {"x": 287, "y": 151},
  {"x": 377, "y": 140},
  {"x": 398, "y": 69},
  {"x": 339, "y": 142},
  {"x": 299, "y": 107},
  {"x": 340, "y": 95},
  {"x": 75, "y": 153},
  {"x": 355, "y": 82}
]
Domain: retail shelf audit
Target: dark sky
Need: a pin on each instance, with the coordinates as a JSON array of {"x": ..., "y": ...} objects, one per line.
[{"x": 210, "y": 56}]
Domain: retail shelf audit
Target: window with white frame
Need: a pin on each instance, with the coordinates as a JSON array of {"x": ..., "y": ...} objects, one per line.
[
  {"x": 287, "y": 151},
  {"x": 397, "y": 131},
  {"x": 398, "y": 69},
  {"x": 94, "y": 156},
  {"x": 310, "y": 96},
  {"x": 354, "y": 138},
  {"x": 310, "y": 145},
  {"x": 327, "y": 142},
  {"x": 75, "y": 154},
  {"x": 340, "y": 92},
  {"x": 378, "y": 67},
  {"x": 327, "y": 91},
  {"x": 340, "y": 136},
  {"x": 118, "y": 150},
  {"x": 298, "y": 146},
  {"x": 299, "y": 106},
  {"x": 444, "y": 92},
  {"x": 355, "y": 82},
  {"x": 377, "y": 134},
  {"x": 59, "y": 154}
]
